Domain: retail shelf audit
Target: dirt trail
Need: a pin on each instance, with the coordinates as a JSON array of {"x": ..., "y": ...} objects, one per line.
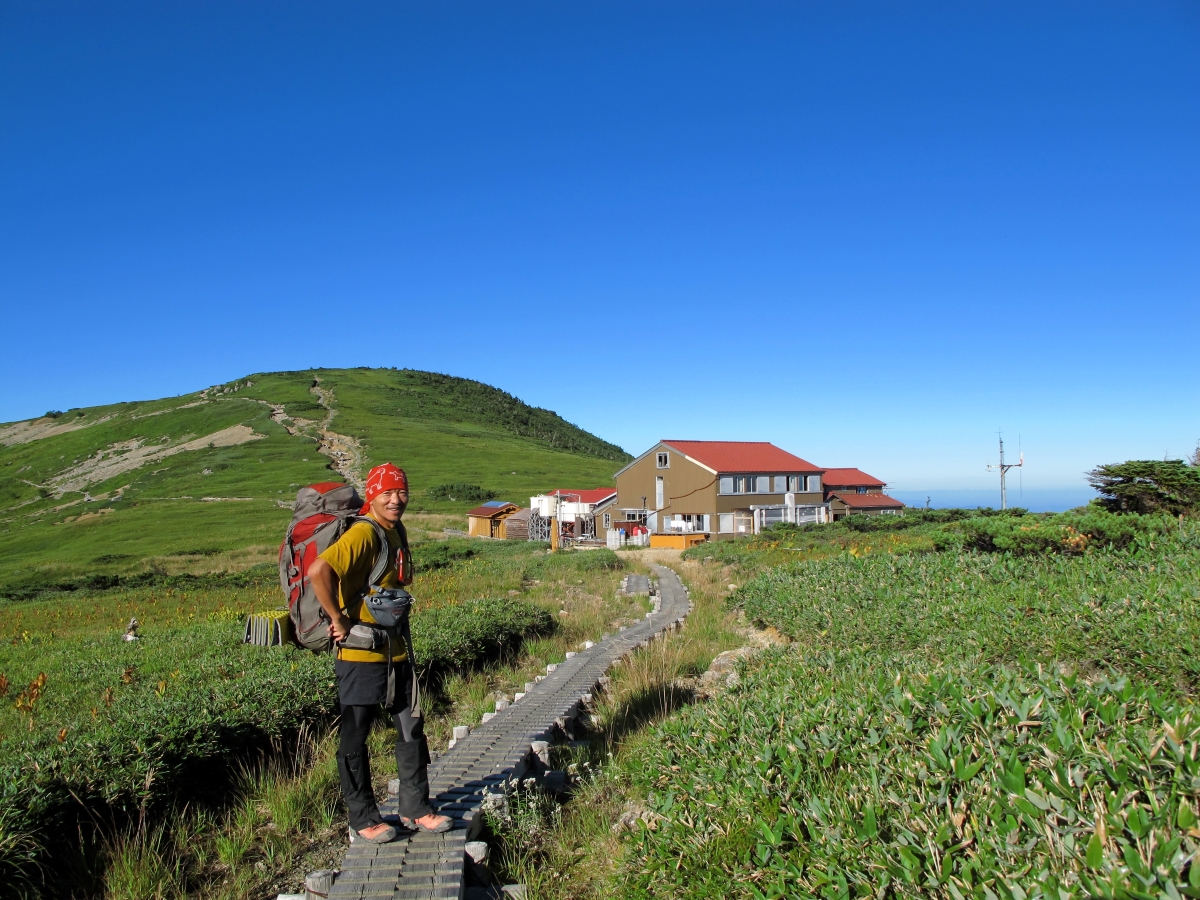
[{"x": 343, "y": 450}]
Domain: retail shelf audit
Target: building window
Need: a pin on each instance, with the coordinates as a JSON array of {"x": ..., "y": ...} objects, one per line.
[
  {"x": 814, "y": 482},
  {"x": 635, "y": 515},
  {"x": 795, "y": 482},
  {"x": 658, "y": 493},
  {"x": 743, "y": 522},
  {"x": 751, "y": 484},
  {"x": 608, "y": 520},
  {"x": 725, "y": 523},
  {"x": 686, "y": 523},
  {"x": 664, "y": 460},
  {"x": 860, "y": 490}
]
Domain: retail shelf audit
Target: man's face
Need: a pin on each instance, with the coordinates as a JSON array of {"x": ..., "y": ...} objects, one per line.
[{"x": 389, "y": 506}]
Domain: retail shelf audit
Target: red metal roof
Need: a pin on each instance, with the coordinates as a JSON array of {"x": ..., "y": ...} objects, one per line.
[
  {"x": 850, "y": 478},
  {"x": 742, "y": 456},
  {"x": 589, "y": 495},
  {"x": 490, "y": 512},
  {"x": 868, "y": 501}
]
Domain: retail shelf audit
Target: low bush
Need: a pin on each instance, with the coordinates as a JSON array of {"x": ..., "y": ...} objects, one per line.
[
  {"x": 915, "y": 518},
  {"x": 858, "y": 775},
  {"x": 1137, "y": 608},
  {"x": 1065, "y": 533},
  {"x": 122, "y": 725},
  {"x": 435, "y": 555},
  {"x": 904, "y": 533},
  {"x": 597, "y": 561},
  {"x": 448, "y": 638},
  {"x": 32, "y": 588}
]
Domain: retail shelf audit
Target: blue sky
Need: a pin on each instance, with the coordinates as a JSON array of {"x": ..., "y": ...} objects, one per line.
[{"x": 872, "y": 233}]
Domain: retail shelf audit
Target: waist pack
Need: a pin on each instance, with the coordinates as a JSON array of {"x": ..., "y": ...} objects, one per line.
[
  {"x": 363, "y": 636},
  {"x": 390, "y": 608}
]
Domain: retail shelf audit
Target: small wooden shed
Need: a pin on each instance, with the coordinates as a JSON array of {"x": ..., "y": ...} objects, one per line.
[
  {"x": 516, "y": 526},
  {"x": 488, "y": 520}
]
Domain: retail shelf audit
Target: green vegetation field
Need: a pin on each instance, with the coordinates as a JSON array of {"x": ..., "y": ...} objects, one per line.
[
  {"x": 97, "y": 729},
  {"x": 202, "y": 481},
  {"x": 970, "y": 704}
]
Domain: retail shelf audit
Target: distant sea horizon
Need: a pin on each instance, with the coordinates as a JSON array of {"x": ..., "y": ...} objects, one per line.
[{"x": 1032, "y": 499}]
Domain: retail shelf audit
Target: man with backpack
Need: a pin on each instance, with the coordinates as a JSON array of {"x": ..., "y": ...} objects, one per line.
[{"x": 359, "y": 581}]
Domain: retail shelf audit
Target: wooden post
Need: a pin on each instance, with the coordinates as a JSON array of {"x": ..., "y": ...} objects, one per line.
[
  {"x": 318, "y": 884},
  {"x": 555, "y": 538}
]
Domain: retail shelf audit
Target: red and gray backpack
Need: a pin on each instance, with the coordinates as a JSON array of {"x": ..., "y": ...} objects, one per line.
[{"x": 323, "y": 513}]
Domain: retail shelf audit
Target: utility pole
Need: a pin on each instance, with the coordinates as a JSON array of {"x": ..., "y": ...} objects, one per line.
[{"x": 1004, "y": 467}]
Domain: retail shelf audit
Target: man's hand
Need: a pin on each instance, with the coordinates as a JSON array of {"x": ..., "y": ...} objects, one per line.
[{"x": 325, "y": 583}]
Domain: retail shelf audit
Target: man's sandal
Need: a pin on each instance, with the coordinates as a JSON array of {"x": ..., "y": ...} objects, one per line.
[
  {"x": 376, "y": 834},
  {"x": 432, "y": 822}
]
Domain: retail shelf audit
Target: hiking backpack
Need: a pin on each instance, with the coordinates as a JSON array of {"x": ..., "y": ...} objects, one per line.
[{"x": 322, "y": 514}]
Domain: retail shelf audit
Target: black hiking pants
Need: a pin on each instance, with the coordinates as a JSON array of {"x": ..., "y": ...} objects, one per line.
[{"x": 360, "y": 684}]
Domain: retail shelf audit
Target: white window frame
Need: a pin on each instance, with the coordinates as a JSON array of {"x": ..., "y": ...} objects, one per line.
[
  {"x": 726, "y": 484},
  {"x": 660, "y": 492},
  {"x": 608, "y": 520},
  {"x": 725, "y": 523},
  {"x": 663, "y": 460}
]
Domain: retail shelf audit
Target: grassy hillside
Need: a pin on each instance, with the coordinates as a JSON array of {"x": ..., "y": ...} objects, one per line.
[{"x": 148, "y": 484}]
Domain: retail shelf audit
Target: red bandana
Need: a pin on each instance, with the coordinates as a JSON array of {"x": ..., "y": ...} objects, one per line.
[{"x": 384, "y": 478}]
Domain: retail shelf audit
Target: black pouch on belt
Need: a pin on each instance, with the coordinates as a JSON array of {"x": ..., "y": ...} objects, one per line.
[
  {"x": 364, "y": 636},
  {"x": 390, "y": 609}
]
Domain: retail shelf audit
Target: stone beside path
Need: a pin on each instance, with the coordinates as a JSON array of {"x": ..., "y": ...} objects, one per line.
[{"x": 424, "y": 866}]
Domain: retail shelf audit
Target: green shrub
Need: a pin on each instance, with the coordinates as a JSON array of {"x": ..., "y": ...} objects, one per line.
[
  {"x": 449, "y": 638},
  {"x": 1137, "y": 608},
  {"x": 1148, "y": 486},
  {"x": 28, "y": 589},
  {"x": 434, "y": 555},
  {"x": 185, "y": 705},
  {"x": 597, "y": 561},
  {"x": 915, "y": 518},
  {"x": 857, "y": 775},
  {"x": 1065, "y": 533}
]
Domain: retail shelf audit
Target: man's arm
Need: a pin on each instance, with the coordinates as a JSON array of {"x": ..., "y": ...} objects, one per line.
[{"x": 325, "y": 583}]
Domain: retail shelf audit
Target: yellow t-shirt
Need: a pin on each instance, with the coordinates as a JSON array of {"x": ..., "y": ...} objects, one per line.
[{"x": 353, "y": 556}]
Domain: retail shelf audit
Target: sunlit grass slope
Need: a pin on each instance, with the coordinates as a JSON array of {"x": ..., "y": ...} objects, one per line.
[{"x": 126, "y": 487}]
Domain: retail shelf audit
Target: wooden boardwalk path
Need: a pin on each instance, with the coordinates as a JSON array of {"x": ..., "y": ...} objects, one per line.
[{"x": 424, "y": 866}]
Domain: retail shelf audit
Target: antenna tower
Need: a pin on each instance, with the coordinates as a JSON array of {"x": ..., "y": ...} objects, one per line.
[{"x": 1004, "y": 467}]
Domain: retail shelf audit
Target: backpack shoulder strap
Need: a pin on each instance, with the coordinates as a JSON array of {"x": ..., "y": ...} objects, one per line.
[
  {"x": 382, "y": 556},
  {"x": 406, "y": 565}
]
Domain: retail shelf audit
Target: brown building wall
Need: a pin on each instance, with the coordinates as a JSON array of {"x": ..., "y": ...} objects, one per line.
[
  {"x": 691, "y": 489},
  {"x": 601, "y": 511},
  {"x": 687, "y": 488}
]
